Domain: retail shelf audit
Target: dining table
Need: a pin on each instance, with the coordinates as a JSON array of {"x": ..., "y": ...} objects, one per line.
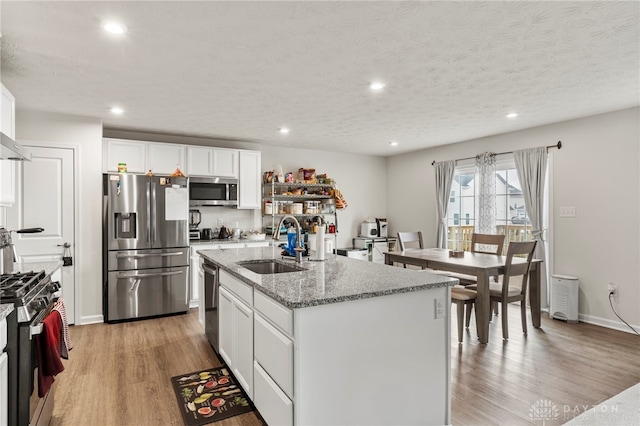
[{"x": 481, "y": 265}]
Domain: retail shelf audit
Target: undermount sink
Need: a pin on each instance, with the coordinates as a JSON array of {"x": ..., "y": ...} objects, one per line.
[{"x": 269, "y": 266}]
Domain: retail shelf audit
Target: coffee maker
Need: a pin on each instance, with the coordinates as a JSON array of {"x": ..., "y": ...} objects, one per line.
[{"x": 194, "y": 220}]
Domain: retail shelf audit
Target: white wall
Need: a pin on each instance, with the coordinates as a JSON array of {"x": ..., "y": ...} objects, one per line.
[
  {"x": 87, "y": 134},
  {"x": 596, "y": 171},
  {"x": 361, "y": 178}
]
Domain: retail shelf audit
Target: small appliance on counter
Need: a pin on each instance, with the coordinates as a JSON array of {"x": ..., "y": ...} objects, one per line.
[
  {"x": 368, "y": 228},
  {"x": 382, "y": 226},
  {"x": 194, "y": 220},
  {"x": 7, "y": 249},
  {"x": 206, "y": 234}
]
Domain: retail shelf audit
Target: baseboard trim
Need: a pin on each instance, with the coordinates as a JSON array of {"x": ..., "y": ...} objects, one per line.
[
  {"x": 193, "y": 304},
  {"x": 91, "y": 319},
  {"x": 604, "y": 322}
]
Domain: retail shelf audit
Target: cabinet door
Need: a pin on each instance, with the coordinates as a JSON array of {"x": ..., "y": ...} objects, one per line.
[
  {"x": 124, "y": 151},
  {"x": 200, "y": 161},
  {"x": 195, "y": 268},
  {"x": 7, "y": 167},
  {"x": 273, "y": 405},
  {"x": 225, "y": 310},
  {"x": 7, "y": 182},
  {"x": 7, "y": 113},
  {"x": 4, "y": 389},
  {"x": 164, "y": 158},
  {"x": 225, "y": 162},
  {"x": 274, "y": 352},
  {"x": 243, "y": 346},
  {"x": 249, "y": 195}
]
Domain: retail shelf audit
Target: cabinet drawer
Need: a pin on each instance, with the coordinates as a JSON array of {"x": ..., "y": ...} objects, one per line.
[
  {"x": 273, "y": 405},
  {"x": 3, "y": 334},
  {"x": 242, "y": 290},
  {"x": 280, "y": 316},
  {"x": 274, "y": 351}
]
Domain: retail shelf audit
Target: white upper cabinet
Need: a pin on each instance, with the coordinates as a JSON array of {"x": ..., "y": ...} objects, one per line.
[
  {"x": 164, "y": 158},
  {"x": 132, "y": 153},
  {"x": 225, "y": 162},
  {"x": 206, "y": 161},
  {"x": 249, "y": 190},
  {"x": 140, "y": 157},
  {"x": 7, "y": 167},
  {"x": 200, "y": 161}
]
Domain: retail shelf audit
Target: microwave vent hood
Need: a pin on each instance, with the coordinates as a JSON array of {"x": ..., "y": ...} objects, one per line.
[{"x": 12, "y": 150}]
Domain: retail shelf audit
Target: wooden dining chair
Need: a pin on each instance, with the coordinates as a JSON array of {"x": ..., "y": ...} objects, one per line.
[
  {"x": 508, "y": 293},
  {"x": 410, "y": 240},
  {"x": 464, "y": 300}
]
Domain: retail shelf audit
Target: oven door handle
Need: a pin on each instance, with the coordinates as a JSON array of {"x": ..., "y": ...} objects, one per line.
[
  {"x": 157, "y": 274},
  {"x": 34, "y": 330},
  {"x": 136, "y": 256}
]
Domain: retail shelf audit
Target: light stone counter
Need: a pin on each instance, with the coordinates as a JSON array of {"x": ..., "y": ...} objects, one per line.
[
  {"x": 5, "y": 310},
  {"x": 337, "y": 279}
]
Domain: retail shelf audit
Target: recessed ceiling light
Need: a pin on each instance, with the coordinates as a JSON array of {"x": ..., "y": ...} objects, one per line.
[
  {"x": 376, "y": 86},
  {"x": 512, "y": 115},
  {"x": 393, "y": 143},
  {"x": 117, "y": 110},
  {"x": 283, "y": 130},
  {"x": 114, "y": 27}
]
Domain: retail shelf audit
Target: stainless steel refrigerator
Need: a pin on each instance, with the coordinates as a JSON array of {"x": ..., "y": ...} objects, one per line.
[{"x": 146, "y": 246}]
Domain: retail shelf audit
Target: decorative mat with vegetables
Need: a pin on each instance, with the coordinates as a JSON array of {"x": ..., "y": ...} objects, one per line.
[{"x": 208, "y": 396}]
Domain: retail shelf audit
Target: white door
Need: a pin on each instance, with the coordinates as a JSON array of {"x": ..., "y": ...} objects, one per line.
[{"x": 45, "y": 199}]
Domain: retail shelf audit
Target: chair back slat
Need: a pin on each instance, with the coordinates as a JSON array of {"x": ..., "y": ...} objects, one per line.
[
  {"x": 409, "y": 240},
  {"x": 487, "y": 243}
]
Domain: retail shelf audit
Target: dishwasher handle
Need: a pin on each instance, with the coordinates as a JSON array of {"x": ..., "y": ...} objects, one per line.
[
  {"x": 153, "y": 274},
  {"x": 208, "y": 269},
  {"x": 142, "y": 255}
]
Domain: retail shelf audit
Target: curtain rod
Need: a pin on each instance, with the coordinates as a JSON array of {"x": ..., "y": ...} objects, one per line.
[{"x": 558, "y": 145}]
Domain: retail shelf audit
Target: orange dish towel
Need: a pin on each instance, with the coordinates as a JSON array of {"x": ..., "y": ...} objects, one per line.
[
  {"x": 48, "y": 352},
  {"x": 65, "y": 341}
]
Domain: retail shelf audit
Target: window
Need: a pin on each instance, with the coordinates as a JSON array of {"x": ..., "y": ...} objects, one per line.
[{"x": 511, "y": 215}]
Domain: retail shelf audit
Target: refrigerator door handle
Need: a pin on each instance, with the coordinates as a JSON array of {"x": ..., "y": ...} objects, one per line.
[
  {"x": 156, "y": 274},
  {"x": 154, "y": 212},
  {"x": 137, "y": 256},
  {"x": 148, "y": 211}
]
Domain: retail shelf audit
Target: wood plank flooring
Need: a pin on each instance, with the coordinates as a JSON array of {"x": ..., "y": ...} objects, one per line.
[{"x": 119, "y": 374}]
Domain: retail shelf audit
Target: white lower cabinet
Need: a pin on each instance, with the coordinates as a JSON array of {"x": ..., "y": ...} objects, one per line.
[
  {"x": 4, "y": 376},
  {"x": 236, "y": 330},
  {"x": 273, "y": 404},
  {"x": 273, "y": 360}
]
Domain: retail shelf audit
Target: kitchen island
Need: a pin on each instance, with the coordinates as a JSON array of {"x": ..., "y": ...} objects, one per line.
[{"x": 340, "y": 342}]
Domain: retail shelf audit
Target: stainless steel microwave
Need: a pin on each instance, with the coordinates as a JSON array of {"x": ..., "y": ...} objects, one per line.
[{"x": 204, "y": 191}]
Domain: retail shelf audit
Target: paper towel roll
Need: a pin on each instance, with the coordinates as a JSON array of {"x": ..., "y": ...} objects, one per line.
[{"x": 320, "y": 243}]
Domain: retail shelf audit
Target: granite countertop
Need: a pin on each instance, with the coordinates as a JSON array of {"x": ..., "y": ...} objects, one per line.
[
  {"x": 49, "y": 267},
  {"x": 227, "y": 241},
  {"x": 5, "y": 310},
  {"x": 337, "y": 279}
]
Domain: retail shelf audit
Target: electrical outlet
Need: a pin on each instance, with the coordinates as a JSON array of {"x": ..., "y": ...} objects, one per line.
[
  {"x": 568, "y": 211},
  {"x": 613, "y": 289},
  {"x": 439, "y": 307}
]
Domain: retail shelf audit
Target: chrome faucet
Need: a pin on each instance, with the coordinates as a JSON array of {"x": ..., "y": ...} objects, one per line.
[{"x": 298, "y": 249}]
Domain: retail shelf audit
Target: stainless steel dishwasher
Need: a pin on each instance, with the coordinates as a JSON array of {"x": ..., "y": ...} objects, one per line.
[{"x": 211, "y": 320}]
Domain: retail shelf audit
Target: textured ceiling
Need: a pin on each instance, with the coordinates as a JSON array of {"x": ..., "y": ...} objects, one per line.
[{"x": 240, "y": 70}]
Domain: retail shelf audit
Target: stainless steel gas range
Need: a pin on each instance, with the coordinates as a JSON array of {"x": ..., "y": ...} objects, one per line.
[{"x": 33, "y": 295}]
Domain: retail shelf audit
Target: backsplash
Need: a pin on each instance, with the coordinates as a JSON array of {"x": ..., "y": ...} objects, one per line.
[
  {"x": 3, "y": 216},
  {"x": 229, "y": 215}
]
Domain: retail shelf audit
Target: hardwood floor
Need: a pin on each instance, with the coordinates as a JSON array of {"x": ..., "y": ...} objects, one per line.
[{"x": 119, "y": 374}]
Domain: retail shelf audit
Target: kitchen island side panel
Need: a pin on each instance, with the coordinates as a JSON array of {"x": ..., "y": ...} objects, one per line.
[{"x": 374, "y": 361}]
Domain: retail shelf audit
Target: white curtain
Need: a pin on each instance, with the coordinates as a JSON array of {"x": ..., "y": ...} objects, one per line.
[
  {"x": 531, "y": 165},
  {"x": 444, "y": 177},
  {"x": 486, "y": 207}
]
